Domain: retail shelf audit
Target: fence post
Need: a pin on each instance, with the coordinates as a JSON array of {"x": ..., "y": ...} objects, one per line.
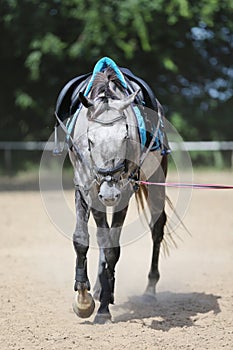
[{"x": 8, "y": 158}]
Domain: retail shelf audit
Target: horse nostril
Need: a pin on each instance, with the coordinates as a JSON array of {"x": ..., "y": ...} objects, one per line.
[
  {"x": 100, "y": 196},
  {"x": 117, "y": 196}
]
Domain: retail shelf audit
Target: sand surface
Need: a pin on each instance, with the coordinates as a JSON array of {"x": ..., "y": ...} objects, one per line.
[{"x": 194, "y": 307}]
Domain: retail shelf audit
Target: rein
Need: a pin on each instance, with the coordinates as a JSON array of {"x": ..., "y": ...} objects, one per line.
[
  {"x": 64, "y": 128},
  {"x": 187, "y": 185}
]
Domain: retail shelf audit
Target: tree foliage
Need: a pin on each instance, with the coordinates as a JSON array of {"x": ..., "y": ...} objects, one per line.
[{"x": 183, "y": 49}]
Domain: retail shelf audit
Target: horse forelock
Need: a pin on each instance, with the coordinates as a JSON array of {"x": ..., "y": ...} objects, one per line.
[{"x": 103, "y": 82}]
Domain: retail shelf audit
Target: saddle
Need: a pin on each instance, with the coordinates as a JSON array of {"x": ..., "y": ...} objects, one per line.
[{"x": 68, "y": 104}]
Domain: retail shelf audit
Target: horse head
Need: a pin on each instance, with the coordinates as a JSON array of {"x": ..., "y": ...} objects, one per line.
[{"x": 107, "y": 135}]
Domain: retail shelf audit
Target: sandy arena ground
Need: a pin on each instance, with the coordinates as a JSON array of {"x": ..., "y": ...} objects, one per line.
[{"x": 194, "y": 308}]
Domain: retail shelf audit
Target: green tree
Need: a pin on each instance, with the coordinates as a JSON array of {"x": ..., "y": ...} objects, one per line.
[{"x": 183, "y": 49}]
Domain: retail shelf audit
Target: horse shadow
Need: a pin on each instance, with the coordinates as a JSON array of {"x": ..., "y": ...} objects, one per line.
[{"x": 169, "y": 310}]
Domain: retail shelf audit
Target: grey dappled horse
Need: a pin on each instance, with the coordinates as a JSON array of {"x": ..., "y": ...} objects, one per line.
[{"x": 106, "y": 155}]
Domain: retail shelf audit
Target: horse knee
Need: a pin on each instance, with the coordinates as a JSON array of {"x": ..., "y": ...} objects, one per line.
[
  {"x": 112, "y": 256},
  {"x": 81, "y": 252}
]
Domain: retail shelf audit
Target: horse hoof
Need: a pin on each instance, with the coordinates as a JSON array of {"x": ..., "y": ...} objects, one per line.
[
  {"x": 83, "y": 304},
  {"x": 149, "y": 298},
  {"x": 102, "y": 319}
]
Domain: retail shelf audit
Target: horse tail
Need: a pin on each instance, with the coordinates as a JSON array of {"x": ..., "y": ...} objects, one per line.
[
  {"x": 141, "y": 198},
  {"x": 170, "y": 236},
  {"x": 142, "y": 193},
  {"x": 171, "y": 206}
]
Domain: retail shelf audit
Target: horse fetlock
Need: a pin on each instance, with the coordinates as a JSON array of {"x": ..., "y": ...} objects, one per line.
[
  {"x": 80, "y": 286},
  {"x": 154, "y": 276},
  {"x": 151, "y": 287}
]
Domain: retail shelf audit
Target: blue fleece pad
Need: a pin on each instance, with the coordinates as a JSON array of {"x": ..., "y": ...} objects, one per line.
[
  {"x": 142, "y": 131},
  {"x": 100, "y": 67}
]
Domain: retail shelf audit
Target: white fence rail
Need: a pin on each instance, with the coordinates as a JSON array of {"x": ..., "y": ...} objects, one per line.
[
  {"x": 203, "y": 146},
  {"x": 187, "y": 145},
  {"x": 8, "y": 146}
]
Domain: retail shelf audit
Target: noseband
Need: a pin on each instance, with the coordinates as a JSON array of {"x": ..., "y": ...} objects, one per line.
[{"x": 108, "y": 174}]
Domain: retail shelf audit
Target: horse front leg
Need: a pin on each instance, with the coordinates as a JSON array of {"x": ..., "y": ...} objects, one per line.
[
  {"x": 83, "y": 304},
  {"x": 109, "y": 255}
]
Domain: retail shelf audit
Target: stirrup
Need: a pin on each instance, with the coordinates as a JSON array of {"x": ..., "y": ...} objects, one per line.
[{"x": 57, "y": 150}]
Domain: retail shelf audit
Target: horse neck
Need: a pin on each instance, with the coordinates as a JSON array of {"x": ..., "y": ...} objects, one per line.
[{"x": 134, "y": 146}]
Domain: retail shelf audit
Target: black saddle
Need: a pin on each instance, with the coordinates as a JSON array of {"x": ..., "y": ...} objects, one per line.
[
  {"x": 68, "y": 102},
  {"x": 68, "y": 99}
]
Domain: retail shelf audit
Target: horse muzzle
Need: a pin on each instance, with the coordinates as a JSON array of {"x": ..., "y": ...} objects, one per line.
[{"x": 109, "y": 194}]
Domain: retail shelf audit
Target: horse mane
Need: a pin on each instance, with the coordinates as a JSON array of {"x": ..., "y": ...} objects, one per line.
[{"x": 102, "y": 84}]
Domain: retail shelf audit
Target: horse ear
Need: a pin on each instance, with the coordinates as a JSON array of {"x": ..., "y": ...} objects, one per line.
[
  {"x": 87, "y": 102},
  {"x": 131, "y": 98},
  {"x": 125, "y": 102}
]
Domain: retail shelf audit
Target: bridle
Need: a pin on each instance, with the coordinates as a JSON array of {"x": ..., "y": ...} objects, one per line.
[
  {"x": 109, "y": 175},
  {"x": 113, "y": 174}
]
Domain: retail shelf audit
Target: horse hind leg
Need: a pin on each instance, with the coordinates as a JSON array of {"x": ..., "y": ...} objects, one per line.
[
  {"x": 97, "y": 286},
  {"x": 157, "y": 230},
  {"x": 156, "y": 203}
]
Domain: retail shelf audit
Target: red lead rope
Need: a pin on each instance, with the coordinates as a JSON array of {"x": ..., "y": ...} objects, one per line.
[{"x": 187, "y": 185}]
